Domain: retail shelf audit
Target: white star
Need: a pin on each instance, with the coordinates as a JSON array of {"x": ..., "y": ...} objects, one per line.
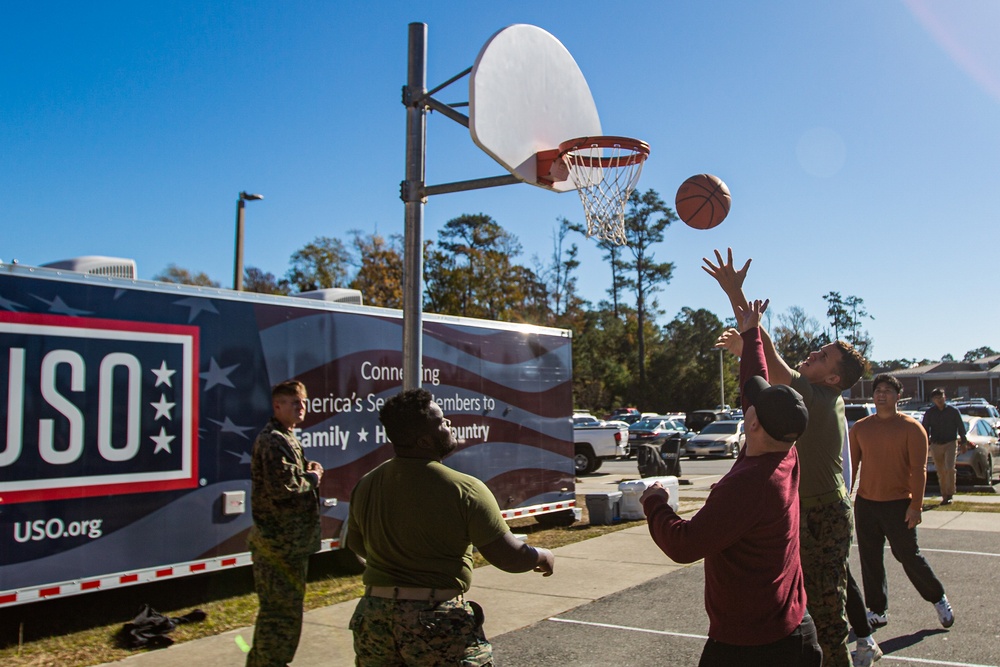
[
  {"x": 162, "y": 441},
  {"x": 163, "y": 408},
  {"x": 242, "y": 456},
  {"x": 59, "y": 307},
  {"x": 215, "y": 375},
  {"x": 196, "y": 306},
  {"x": 362, "y": 436},
  {"x": 7, "y": 304},
  {"x": 163, "y": 374},
  {"x": 229, "y": 427}
]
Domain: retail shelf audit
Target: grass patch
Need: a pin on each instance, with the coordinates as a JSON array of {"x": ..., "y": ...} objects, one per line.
[
  {"x": 963, "y": 506},
  {"x": 80, "y": 631}
]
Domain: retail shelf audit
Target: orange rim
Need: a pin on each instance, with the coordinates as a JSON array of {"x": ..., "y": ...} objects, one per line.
[{"x": 636, "y": 151}]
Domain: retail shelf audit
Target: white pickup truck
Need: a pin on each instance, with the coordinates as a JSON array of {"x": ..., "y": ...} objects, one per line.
[{"x": 597, "y": 441}]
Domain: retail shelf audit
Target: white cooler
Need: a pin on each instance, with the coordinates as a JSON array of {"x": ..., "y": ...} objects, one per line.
[{"x": 631, "y": 508}]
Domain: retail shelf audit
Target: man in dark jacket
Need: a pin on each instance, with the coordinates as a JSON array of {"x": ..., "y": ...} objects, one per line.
[{"x": 945, "y": 429}]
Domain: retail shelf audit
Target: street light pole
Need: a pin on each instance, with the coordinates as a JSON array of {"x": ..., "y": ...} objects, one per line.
[
  {"x": 238, "y": 269},
  {"x": 722, "y": 380}
]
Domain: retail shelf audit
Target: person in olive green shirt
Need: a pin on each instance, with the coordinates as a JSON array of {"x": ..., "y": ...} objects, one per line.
[{"x": 415, "y": 521}]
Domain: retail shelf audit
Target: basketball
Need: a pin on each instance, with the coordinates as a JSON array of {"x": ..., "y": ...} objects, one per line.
[{"x": 703, "y": 201}]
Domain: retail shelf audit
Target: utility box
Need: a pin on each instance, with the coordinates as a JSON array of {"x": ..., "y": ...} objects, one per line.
[
  {"x": 631, "y": 508},
  {"x": 604, "y": 508},
  {"x": 234, "y": 502}
]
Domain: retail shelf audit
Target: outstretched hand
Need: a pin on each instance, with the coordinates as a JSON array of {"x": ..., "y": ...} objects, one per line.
[
  {"x": 732, "y": 341},
  {"x": 750, "y": 316},
  {"x": 729, "y": 278}
]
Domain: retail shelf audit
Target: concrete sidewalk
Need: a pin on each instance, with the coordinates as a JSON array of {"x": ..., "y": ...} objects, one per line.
[
  {"x": 511, "y": 601},
  {"x": 585, "y": 571}
]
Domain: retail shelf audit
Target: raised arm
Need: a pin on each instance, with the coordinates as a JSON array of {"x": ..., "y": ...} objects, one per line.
[
  {"x": 752, "y": 362},
  {"x": 776, "y": 367},
  {"x": 729, "y": 279}
]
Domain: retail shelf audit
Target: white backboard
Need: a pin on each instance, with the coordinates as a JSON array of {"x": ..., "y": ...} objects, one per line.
[{"x": 527, "y": 94}]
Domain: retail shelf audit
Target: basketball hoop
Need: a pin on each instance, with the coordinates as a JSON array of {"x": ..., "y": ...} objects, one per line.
[{"x": 605, "y": 171}]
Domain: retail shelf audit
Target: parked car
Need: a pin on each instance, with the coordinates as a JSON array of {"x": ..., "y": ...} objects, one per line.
[
  {"x": 699, "y": 418},
  {"x": 656, "y": 431},
  {"x": 625, "y": 414},
  {"x": 980, "y": 409},
  {"x": 858, "y": 411},
  {"x": 586, "y": 419},
  {"x": 719, "y": 438},
  {"x": 975, "y": 465},
  {"x": 628, "y": 419}
]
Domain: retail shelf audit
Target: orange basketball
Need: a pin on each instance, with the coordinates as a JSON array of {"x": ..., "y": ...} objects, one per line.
[{"x": 703, "y": 201}]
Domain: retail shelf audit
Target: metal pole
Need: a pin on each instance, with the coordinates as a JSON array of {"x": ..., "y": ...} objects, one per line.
[
  {"x": 413, "y": 231},
  {"x": 238, "y": 269},
  {"x": 722, "y": 380}
]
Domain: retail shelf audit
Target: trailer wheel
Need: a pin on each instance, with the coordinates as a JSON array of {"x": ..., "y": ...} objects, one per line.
[
  {"x": 556, "y": 519},
  {"x": 584, "y": 461}
]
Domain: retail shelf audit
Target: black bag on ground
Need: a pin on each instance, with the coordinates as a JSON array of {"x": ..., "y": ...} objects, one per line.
[
  {"x": 650, "y": 463},
  {"x": 149, "y": 628}
]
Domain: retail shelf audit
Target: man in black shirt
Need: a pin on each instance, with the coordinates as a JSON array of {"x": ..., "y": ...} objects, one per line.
[{"x": 944, "y": 427}]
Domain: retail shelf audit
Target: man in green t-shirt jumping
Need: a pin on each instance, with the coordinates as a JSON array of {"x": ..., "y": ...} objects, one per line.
[{"x": 415, "y": 522}]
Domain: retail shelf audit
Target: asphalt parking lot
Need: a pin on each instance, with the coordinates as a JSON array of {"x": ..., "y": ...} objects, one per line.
[{"x": 663, "y": 622}]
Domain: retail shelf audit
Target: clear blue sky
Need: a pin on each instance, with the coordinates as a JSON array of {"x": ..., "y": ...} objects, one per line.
[{"x": 861, "y": 140}]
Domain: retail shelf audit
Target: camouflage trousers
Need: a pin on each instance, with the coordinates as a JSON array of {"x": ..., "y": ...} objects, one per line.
[
  {"x": 824, "y": 544},
  {"x": 280, "y": 582},
  {"x": 417, "y": 633}
]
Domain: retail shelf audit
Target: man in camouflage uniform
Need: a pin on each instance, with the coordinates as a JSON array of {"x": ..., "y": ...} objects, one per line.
[
  {"x": 825, "y": 516},
  {"x": 285, "y": 504},
  {"x": 415, "y": 521}
]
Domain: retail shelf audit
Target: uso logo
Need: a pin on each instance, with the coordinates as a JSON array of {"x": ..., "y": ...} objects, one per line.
[{"x": 96, "y": 407}]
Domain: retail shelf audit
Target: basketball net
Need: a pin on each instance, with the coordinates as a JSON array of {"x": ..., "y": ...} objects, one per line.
[{"x": 605, "y": 171}]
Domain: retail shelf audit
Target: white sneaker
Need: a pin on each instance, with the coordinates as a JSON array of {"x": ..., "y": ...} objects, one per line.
[
  {"x": 866, "y": 653},
  {"x": 877, "y": 621},
  {"x": 944, "y": 612}
]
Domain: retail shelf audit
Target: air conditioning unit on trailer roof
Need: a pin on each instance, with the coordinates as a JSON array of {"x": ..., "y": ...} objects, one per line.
[{"x": 98, "y": 265}]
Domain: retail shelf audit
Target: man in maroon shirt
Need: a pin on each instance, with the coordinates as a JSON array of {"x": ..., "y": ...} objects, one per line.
[{"x": 748, "y": 530}]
